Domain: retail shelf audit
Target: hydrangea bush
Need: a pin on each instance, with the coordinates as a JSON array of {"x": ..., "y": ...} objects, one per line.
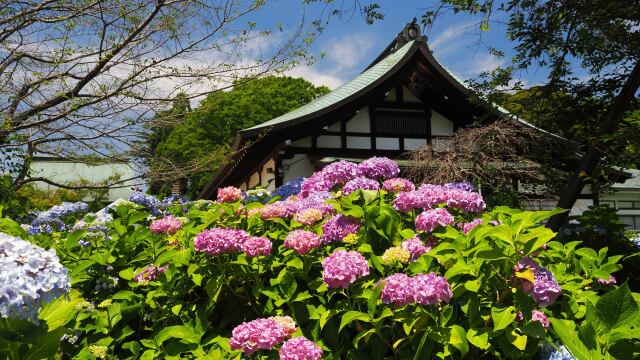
[{"x": 344, "y": 269}]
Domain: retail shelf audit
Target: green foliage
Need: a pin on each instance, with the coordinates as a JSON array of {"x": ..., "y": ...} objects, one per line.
[
  {"x": 197, "y": 144},
  {"x": 190, "y": 310}
]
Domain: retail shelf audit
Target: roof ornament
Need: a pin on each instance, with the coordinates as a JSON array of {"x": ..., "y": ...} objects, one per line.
[{"x": 410, "y": 32}]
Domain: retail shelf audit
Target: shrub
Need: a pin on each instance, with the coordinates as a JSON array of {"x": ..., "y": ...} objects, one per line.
[{"x": 364, "y": 282}]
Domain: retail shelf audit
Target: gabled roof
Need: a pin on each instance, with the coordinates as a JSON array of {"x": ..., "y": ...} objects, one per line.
[
  {"x": 336, "y": 97},
  {"x": 407, "y": 46}
]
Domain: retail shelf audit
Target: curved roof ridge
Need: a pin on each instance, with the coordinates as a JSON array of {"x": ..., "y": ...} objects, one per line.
[{"x": 343, "y": 92}]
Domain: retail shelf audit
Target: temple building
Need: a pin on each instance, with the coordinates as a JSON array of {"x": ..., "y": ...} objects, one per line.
[{"x": 402, "y": 100}]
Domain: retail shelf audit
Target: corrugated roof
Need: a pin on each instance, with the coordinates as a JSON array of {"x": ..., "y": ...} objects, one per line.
[{"x": 343, "y": 92}]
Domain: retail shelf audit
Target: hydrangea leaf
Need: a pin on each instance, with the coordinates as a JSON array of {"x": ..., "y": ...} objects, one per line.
[{"x": 502, "y": 317}]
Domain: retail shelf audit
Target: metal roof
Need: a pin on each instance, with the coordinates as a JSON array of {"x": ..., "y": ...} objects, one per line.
[{"x": 343, "y": 92}]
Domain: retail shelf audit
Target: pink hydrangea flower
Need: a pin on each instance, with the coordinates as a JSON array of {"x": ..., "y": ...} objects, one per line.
[
  {"x": 315, "y": 183},
  {"x": 416, "y": 247},
  {"x": 256, "y": 246},
  {"x": 229, "y": 194},
  {"x": 409, "y": 200},
  {"x": 149, "y": 273},
  {"x": 429, "y": 220},
  {"x": 545, "y": 289},
  {"x": 220, "y": 240},
  {"x": 308, "y": 216},
  {"x": 300, "y": 348},
  {"x": 317, "y": 200},
  {"x": 168, "y": 225},
  {"x": 431, "y": 289},
  {"x": 539, "y": 316},
  {"x": 397, "y": 290},
  {"x": 397, "y": 185},
  {"x": 302, "y": 241},
  {"x": 360, "y": 183},
  {"x": 340, "y": 172},
  {"x": 343, "y": 268},
  {"x": 378, "y": 168},
  {"x": 338, "y": 227},
  {"x": 467, "y": 227},
  {"x": 257, "y": 334},
  {"x": 466, "y": 201}
]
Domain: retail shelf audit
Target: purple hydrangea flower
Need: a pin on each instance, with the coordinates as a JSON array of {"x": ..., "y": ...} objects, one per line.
[
  {"x": 149, "y": 273},
  {"x": 343, "y": 268},
  {"x": 300, "y": 348},
  {"x": 340, "y": 172},
  {"x": 338, "y": 227},
  {"x": 257, "y": 334},
  {"x": 360, "y": 183},
  {"x": 397, "y": 290},
  {"x": 467, "y": 227},
  {"x": 465, "y": 186},
  {"x": 608, "y": 282},
  {"x": 539, "y": 316},
  {"x": 378, "y": 168},
  {"x": 315, "y": 183},
  {"x": 545, "y": 289},
  {"x": 220, "y": 240},
  {"x": 416, "y": 247},
  {"x": 168, "y": 225},
  {"x": 302, "y": 241},
  {"x": 256, "y": 246},
  {"x": 397, "y": 185},
  {"x": 431, "y": 289},
  {"x": 428, "y": 220}
]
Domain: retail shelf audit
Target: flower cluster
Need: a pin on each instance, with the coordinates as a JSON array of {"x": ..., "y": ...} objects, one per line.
[
  {"x": 338, "y": 227},
  {"x": 607, "y": 282},
  {"x": 343, "y": 268},
  {"x": 467, "y": 227},
  {"x": 56, "y": 217},
  {"x": 429, "y": 196},
  {"x": 302, "y": 241},
  {"x": 258, "y": 334},
  {"x": 96, "y": 227},
  {"x": 220, "y": 240},
  {"x": 378, "y": 168},
  {"x": 429, "y": 220},
  {"x": 256, "y": 246},
  {"x": 340, "y": 172},
  {"x": 398, "y": 185},
  {"x": 29, "y": 277},
  {"x": 308, "y": 216},
  {"x": 395, "y": 256},
  {"x": 167, "y": 225},
  {"x": 360, "y": 183},
  {"x": 544, "y": 288},
  {"x": 149, "y": 273},
  {"x": 464, "y": 186},
  {"x": 149, "y": 202},
  {"x": 289, "y": 188},
  {"x": 425, "y": 289},
  {"x": 300, "y": 348},
  {"x": 229, "y": 194},
  {"x": 539, "y": 316},
  {"x": 416, "y": 247},
  {"x": 257, "y": 195}
]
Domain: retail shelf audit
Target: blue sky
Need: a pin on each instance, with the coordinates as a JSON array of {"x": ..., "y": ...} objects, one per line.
[{"x": 350, "y": 44}]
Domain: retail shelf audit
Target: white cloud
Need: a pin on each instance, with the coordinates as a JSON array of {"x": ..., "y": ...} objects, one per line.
[
  {"x": 451, "y": 39},
  {"x": 317, "y": 77}
]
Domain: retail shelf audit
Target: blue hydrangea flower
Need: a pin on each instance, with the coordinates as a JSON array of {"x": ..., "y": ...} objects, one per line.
[
  {"x": 291, "y": 187},
  {"x": 29, "y": 277},
  {"x": 56, "y": 217},
  {"x": 466, "y": 186},
  {"x": 548, "y": 352},
  {"x": 149, "y": 202}
]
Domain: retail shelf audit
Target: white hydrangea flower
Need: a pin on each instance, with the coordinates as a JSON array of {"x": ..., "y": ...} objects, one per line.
[{"x": 29, "y": 277}]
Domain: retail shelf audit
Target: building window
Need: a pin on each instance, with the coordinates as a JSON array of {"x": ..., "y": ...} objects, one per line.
[
  {"x": 401, "y": 123},
  {"x": 632, "y": 221}
]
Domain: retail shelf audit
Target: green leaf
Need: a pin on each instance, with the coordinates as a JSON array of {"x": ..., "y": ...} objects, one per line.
[
  {"x": 213, "y": 287},
  {"x": 56, "y": 312},
  {"x": 458, "y": 338},
  {"x": 565, "y": 329},
  {"x": 517, "y": 340},
  {"x": 372, "y": 302},
  {"x": 617, "y": 308},
  {"x": 502, "y": 317},
  {"x": 350, "y": 316},
  {"x": 479, "y": 339},
  {"x": 185, "y": 334},
  {"x": 45, "y": 347}
]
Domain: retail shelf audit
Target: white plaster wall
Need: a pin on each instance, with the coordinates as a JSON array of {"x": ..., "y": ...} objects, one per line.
[
  {"x": 410, "y": 144},
  {"x": 269, "y": 179},
  {"x": 335, "y": 127},
  {"x": 358, "y": 142},
  {"x": 304, "y": 142},
  {"x": 254, "y": 180},
  {"x": 442, "y": 144},
  {"x": 408, "y": 96},
  {"x": 387, "y": 143},
  {"x": 298, "y": 165},
  {"x": 440, "y": 125},
  {"x": 360, "y": 122},
  {"x": 580, "y": 206},
  {"x": 329, "y": 141}
]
